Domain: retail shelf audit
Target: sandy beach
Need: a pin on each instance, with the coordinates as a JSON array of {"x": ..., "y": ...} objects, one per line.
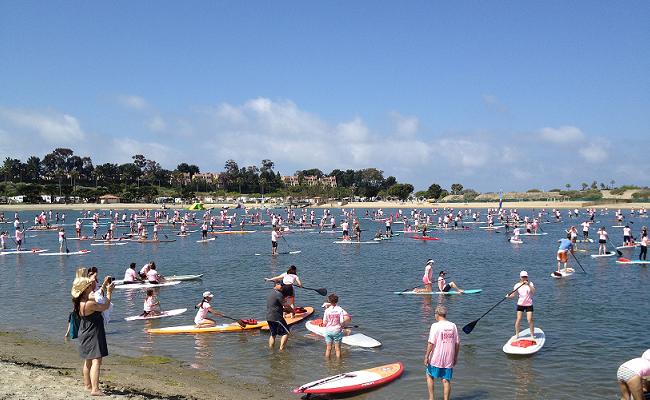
[
  {"x": 31, "y": 368},
  {"x": 548, "y": 205}
]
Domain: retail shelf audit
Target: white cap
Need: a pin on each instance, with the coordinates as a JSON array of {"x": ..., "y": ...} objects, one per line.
[
  {"x": 646, "y": 355},
  {"x": 523, "y": 273},
  {"x": 430, "y": 261},
  {"x": 207, "y": 294}
]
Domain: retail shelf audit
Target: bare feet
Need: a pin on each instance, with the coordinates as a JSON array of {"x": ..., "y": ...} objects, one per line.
[{"x": 97, "y": 393}]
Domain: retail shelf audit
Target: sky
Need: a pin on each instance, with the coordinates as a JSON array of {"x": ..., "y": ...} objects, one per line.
[{"x": 495, "y": 95}]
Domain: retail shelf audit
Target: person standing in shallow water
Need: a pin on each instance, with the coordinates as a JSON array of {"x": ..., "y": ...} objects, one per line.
[{"x": 442, "y": 351}]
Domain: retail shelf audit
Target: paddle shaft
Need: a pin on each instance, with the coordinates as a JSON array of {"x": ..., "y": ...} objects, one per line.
[
  {"x": 494, "y": 306},
  {"x": 575, "y": 258}
]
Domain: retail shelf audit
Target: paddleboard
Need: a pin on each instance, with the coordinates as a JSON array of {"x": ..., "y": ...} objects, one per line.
[
  {"x": 491, "y": 227},
  {"x": 354, "y": 381},
  {"x": 205, "y": 240},
  {"x": 518, "y": 241},
  {"x": 609, "y": 254},
  {"x": 585, "y": 240},
  {"x": 33, "y": 251},
  {"x": 146, "y": 285},
  {"x": 230, "y": 232},
  {"x": 155, "y": 241},
  {"x": 355, "y": 242},
  {"x": 230, "y": 327},
  {"x": 72, "y": 253},
  {"x": 168, "y": 278},
  {"x": 628, "y": 246},
  {"x": 307, "y": 311},
  {"x": 525, "y": 345},
  {"x": 424, "y": 238},
  {"x": 534, "y": 234},
  {"x": 618, "y": 226},
  {"x": 352, "y": 339},
  {"x": 627, "y": 261},
  {"x": 163, "y": 314},
  {"x": 468, "y": 291},
  {"x": 563, "y": 273},
  {"x": 108, "y": 244}
]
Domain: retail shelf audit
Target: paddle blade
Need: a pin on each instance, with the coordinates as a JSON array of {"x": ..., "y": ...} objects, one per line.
[
  {"x": 322, "y": 291},
  {"x": 469, "y": 327},
  {"x": 619, "y": 253},
  {"x": 241, "y": 323}
]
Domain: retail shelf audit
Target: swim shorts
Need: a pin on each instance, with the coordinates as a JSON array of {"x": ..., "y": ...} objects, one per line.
[
  {"x": 525, "y": 308},
  {"x": 624, "y": 374},
  {"x": 333, "y": 337},
  {"x": 278, "y": 328},
  {"x": 443, "y": 373}
]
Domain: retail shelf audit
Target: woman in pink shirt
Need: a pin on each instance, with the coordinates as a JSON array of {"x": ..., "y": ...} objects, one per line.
[
  {"x": 427, "y": 277},
  {"x": 525, "y": 290},
  {"x": 630, "y": 377},
  {"x": 151, "y": 305}
]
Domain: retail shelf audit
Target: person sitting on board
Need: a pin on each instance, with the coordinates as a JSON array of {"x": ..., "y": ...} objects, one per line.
[
  {"x": 130, "y": 276},
  {"x": 378, "y": 235},
  {"x": 442, "y": 351},
  {"x": 443, "y": 286},
  {"x": 426, "y": 278},
  {"x": 334, "y": 320},
  {"x": 563, "y": 253},
  {"x": 289, "y": 279},
  {"x": 153, "y": 276},
  {"x": 630, "y": 376},
  {"x": 201, "y": 319},
  {"x": 151, "y": 305},
  {"x": 602, "y": 241},
  {"x": 525, "y": 289},
  {"x": 145, "y": 268},
  {"x": 515, "y": 235}
]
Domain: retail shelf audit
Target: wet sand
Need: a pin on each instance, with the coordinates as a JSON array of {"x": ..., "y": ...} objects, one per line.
[{"x": 31, "y": 368}]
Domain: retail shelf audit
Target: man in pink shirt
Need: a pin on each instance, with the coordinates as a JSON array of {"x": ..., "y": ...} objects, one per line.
[{"x": 442, "y": 352}]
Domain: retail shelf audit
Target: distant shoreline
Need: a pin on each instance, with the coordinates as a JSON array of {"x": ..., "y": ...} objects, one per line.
[{"x": 356, "y": 205}]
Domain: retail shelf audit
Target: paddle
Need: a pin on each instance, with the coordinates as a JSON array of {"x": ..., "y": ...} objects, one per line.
[
  {"x": 470, "y": 327},
  {"x": 331, "y": 378},
  {"x": 321, "y": 291},
  {"x": 65, "y": 241},
  {"x": 241, "y": 322},
  {"x": 618, "y": 252},
  {"x": 574, "y": 256},
  {"x": 289, "y": 247}
]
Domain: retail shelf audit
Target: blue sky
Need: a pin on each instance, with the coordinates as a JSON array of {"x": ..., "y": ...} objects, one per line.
[{"x": 494, "y": 95}]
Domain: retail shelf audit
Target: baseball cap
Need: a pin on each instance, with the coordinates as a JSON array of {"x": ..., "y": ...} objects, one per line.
[
  {"x": 207, "y": 294},
  {"x": 430, "y": 261},
  {"x": 523, "y": 273}
]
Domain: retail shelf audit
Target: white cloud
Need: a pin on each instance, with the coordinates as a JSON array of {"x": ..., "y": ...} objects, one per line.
[
  {"x": 595, "y": 152},
  {"x": 405, "y": 126},
  {"x": 156, "y": 124},
  {"x": 123, "y": 149},
  {"x": 465, "y": 153},
  {"x": 132, "y": 102},
  {"x": 493, "y": 103},
  {"x": 51, "y": 126},
  {"x": 561, "y": 135}
]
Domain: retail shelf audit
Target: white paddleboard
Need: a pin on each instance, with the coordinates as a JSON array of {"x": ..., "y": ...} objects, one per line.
[
  {"x": 355, "y": 242},
  {"x": 525, "y": 345},
  {"x": 563, "y": 273},
  {"x": 35, "y": 251},
  {"x": 491, "y": 227},
  {"x": 610, "y": 254},
  {"x": 206, "y": 240},
  {"x": 466, "y": 291},
  {"x": 518, "y": 241},
  {"x": 108, "y": 244},
  {"x": 163, "y": 314},
  {"x": 168, "y": 278},
  {"x": 533, "y": 234},
  {"x": 351, "y": 339},
  {"x": 146, "y": 285},
  {"x": 628, "y": 246},
  {"x": 640, "y": 262},
  {"x": 72, "y": 253}
]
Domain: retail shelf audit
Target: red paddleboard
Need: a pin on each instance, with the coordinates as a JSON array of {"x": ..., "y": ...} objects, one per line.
[
  {"x": 353, "y": 381},
  {"x": 424, "y": 238}
]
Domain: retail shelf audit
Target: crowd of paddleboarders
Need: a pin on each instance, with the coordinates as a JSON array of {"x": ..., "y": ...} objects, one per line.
[{"x": 92, "y": 302}]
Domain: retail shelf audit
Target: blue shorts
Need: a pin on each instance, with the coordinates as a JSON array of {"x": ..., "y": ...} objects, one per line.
[
  {"x": 334, "y": 337},
  {"x": 444, "y": 373}
]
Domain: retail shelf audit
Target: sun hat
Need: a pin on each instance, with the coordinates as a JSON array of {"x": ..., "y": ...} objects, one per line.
[
  {"x": 523, "y": 273},
  {"x": 207, "y": 294},
  {"x": 430, "y": 261},
  {"x": 79, "y": 285}
]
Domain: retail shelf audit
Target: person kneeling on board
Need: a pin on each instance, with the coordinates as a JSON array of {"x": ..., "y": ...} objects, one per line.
[
  {"x": 151, "y": 305},
  {"x": 632, "y": 377},
  {"x": 201, "y": 319},
  {"x": 130, "y": 276}
]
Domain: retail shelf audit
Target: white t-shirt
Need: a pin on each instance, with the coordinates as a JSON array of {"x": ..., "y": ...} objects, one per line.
[{"x": 333, "y": 319}]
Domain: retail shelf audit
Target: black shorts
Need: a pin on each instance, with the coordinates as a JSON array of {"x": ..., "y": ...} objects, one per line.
[
  {"x": 446, "y": 288},
  {"x": 601, "y": 241},
  {"x": 525, "y": 308},
  {"x": 278, "y": 328},
  {"x": 626, "y": 239},
  {"x": 274, "y": 244},
  {"x": 345, "y": 232}
]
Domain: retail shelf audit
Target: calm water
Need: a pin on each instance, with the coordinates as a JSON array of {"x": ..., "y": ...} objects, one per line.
[{"x": 593, "y": 321}]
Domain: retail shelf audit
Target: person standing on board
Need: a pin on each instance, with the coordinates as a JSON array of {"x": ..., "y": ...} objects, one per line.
[
  {"x": 61, "y": 239},
  {"x": 602, "y": 240},
  {"x": 525, "y": 290},
  {"x": 442, "y": 351},
  {"x": 357, "y": 229},
  {"x": 630, "y": 377},
  {"x": 563, "y": 253},
  {"x": 204, "y": 230},
  {"x": 585, "y": 230},
  {"x": 644, "y": 244},
  {"x": 275, "y": 233}
]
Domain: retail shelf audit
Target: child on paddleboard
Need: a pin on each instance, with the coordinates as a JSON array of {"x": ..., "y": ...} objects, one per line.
[
  {"x": 151, "y": 304},
  {"x": 334, "y": 319}
]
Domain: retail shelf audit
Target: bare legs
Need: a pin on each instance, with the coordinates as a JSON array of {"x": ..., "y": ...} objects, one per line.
[
  {"x": 632, "y": 389},
  {"x": 337, "y": 350},
  {"x": 91, "y": 376},
  {"x": 283, "y": 341},
  {"x": 446, "y": 388}
]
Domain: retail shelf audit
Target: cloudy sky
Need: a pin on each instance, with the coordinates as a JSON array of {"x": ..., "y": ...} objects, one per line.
[{"x": 493, "y": 95}]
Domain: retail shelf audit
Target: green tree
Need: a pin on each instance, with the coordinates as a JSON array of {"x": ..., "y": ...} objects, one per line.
[
  {"x": 456, "y": 188},
  {"x": 434, "y": 191},
  {"x": 400, "y": 190}
]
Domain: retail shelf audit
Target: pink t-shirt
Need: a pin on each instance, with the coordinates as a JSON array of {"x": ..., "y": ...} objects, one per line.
[
  {"x": 152, "y": 275},
  {"x": 525, "y": 294},
  {"x": 333, "y": 319},
  {"x": 444, "y": 337},
  {"x": 149, "y": 304},
  {"x": 426, "y": 278},
  {"x": 144, "y": 270},
  {"x": 130, "y": 275},
  {"x": 640, "y": 366}
]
